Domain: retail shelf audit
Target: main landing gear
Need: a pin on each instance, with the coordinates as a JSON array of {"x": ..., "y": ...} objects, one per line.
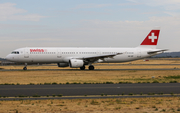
[
  {"x": 83, "y": 67},
  {"x": 91, "y": 67},
  {"x": 25, "y": 67}
]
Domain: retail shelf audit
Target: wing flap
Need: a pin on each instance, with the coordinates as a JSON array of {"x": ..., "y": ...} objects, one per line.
[{"x": 95, "y": 58}]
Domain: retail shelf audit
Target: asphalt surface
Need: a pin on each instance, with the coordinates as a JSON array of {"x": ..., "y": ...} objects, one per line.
[{"x": 88, "y": 89}]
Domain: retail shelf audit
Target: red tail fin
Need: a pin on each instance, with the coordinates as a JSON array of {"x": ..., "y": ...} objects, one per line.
[{"x": 152, "y": 37}]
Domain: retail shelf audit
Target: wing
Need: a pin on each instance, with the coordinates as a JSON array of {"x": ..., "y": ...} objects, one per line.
[
  {"x": 156, "y": 51},
  {"x": 96, "y": 58}
]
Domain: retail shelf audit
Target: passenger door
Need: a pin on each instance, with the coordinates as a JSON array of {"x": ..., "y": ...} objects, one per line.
[
  {"x": 138, "y": 53},
  {"x": 59, "y": 55},
  {"x": 26, "y": 53}
]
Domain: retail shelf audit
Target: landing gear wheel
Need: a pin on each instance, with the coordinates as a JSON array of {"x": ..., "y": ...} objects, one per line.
[
  {"x": 25, "y": 68},
  {"x": 82, "y": 68},
  {"x": 91, "y": 67}
]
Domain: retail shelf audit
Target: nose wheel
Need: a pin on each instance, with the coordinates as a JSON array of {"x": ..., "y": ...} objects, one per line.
[
  {"x": 25, "y": 67},
  {"x": 91, "y": 67}
]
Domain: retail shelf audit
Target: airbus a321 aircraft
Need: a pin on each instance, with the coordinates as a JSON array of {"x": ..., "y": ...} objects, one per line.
[{"x": 77, "y": 57}]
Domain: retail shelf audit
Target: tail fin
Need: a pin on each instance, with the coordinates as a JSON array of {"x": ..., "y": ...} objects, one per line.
[{"x": 152, "y": 38}]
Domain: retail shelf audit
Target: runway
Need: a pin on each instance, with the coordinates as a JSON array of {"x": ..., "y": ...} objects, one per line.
[{"x": 88, "y": 89}]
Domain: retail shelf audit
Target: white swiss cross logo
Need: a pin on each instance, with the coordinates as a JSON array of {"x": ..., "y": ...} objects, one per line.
[{"x": 152, "y": 37}]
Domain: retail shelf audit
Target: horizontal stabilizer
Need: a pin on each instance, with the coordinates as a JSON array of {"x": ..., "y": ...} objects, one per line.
[{"x": 156, "y": 51}]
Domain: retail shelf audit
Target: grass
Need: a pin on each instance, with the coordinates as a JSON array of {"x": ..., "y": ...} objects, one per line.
[
  {"x": 128, "y": 105},
  {"x": 93, "y": 102},
  {"x": 36, "y": 95},
  {"x": 60, "y": 95},
  {"x": 172, "y": 77},
  {"x": 76, "y": 76},
  {"x": 87, "y": 77}
]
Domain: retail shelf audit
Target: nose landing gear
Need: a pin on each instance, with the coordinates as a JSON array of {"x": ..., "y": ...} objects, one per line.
[{"x": 25, "y": 67}]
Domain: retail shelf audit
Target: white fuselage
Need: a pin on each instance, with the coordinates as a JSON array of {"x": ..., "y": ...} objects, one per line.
[
  {"x": 63, "y": 55},
  {"x": 79, "y": 57}
]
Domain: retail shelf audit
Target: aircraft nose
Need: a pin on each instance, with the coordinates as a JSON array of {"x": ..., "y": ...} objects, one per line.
[{"x": 8, "y": 57}]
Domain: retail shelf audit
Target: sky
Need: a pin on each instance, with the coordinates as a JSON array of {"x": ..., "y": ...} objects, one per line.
[{"x": 87, "y": 23}]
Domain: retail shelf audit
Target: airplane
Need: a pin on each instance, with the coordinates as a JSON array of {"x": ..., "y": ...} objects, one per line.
[{"x": 79, "y": 57}]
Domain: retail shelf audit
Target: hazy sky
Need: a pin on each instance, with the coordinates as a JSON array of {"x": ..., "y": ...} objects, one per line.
[{"x": 87, "y": 23}]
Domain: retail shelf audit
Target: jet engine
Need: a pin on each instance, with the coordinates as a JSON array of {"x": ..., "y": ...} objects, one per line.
[
  {"x": 63, "y": 64},
  {"x": 74, "y": 63}
]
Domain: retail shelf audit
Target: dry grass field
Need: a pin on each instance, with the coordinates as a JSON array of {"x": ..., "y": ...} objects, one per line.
[
  {"x": 121, "y": 105},
  {"x": 36, "y": 77},
  {"x": 64, "y": 75}
]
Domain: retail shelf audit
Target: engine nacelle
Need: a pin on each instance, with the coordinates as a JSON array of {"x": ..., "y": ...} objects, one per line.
[
  {"x": 63, "y": 64},
  {"x": 74, "y": 63}
]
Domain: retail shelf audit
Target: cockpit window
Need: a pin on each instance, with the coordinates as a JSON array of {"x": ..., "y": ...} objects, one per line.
[{"x": 15, "y": 52}]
